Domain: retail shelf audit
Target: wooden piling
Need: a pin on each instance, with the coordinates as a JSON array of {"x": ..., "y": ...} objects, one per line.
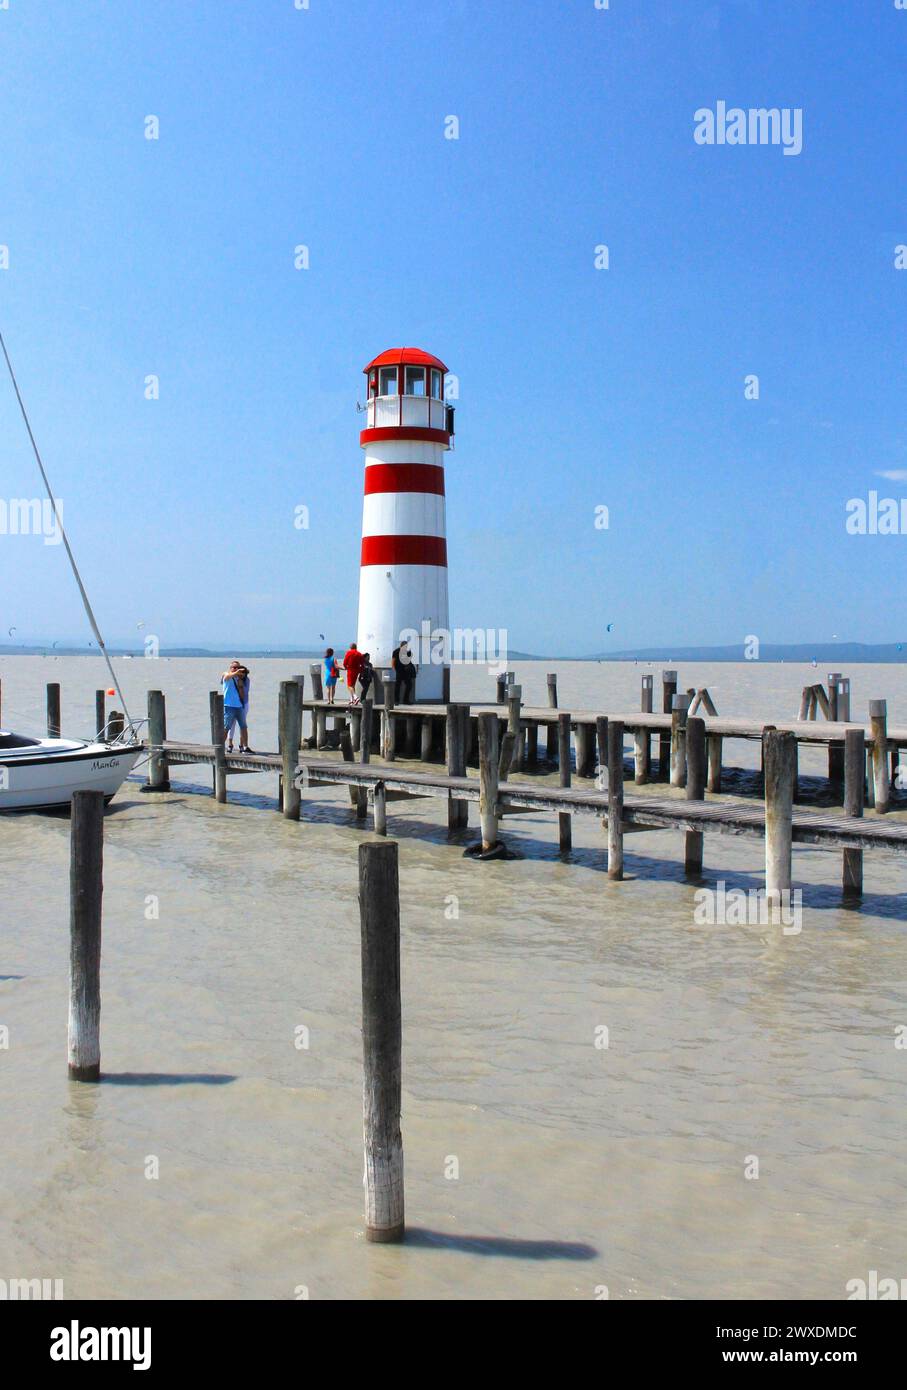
[
  {"x": 585, "y": 750},
  {"x": 715, "y": 753},
  {"x": 116, "y": 723},
  {"x": 365, "y": 748},
  {"x": 389, "y": 725},
  {"x": 878, "y": 721},
  {"x": 854, "y": 794},
  {"x": 382, "y": 1041},
  {"x": 100, "y": 711},
  {"x": 413, "y": 736},
  {"x": 425, "y": 746},
  {"x": 514, "y": 704},
  {"x": 457, "y": 717},
  {"x": 86, "y": 865},
  {"x": 379, "y": 808},
  {"x": 680, "y": 705},
  {"x": 642, "y": 741},
  {"x": 551, "y": 734},
  {"x": 488, "y": 779},
  {"x": 290, "y": 739},
  {"x": 835, "y": 750},
  {"x": 216, "y": 712},
  {"x": 564, "y": 821},
  {"x": 778, "y": 759},
  {"x": 668, "y": 691},
  {"x": 805, "y": 697},
  {"x": 696, "y": 780},
  {"x": 532, "y": 743},
  {"x": 53, "y": 710},
  {"x": 505, "y": 757},
  {"x": 615, "y": 799},
  {"x": 158, "y": 767},
  {"x": 355, "y": 727},
  {"x": 501, "y": 688}
]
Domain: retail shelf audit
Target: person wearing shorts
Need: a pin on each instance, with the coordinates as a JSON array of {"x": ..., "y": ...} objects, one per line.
[{"x": 236, "y": 705}]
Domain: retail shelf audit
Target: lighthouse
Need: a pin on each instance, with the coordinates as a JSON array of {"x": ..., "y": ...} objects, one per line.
[{"x": 403, "y": 574}]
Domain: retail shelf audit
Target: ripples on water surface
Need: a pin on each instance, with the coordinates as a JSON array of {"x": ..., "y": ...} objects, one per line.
[{"x": 578, "y": 1167}]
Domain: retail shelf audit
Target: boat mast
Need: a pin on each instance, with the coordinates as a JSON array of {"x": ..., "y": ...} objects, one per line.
[{"x": 59, "y": 522}]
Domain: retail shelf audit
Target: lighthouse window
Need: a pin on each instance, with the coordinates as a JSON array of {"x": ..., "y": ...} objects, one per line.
[
  {"x": 436, "y": 383},
  {"x": 415, "y": 381},
  {"x": 388, "y": 381}
]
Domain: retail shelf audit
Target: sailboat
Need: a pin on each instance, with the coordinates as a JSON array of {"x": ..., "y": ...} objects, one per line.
[{"x": 38, "y": 774}]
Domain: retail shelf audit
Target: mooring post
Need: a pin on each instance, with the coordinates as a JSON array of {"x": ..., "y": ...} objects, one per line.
[
  {"x": 551, "y": 744},
  {"x": 319, "y": 718},
  {"x": 585, "y": 749},
  {"x": 346, "y": 748},
  {"x": 642, "y": 741},
  {"x": 514, "y": 703},
  {"x": 389, "y": 725},
  {"x": 878, "y": 721},
  {"x": 813, "y": 710},
  {"x": 365, "y": 748},
  {"x": 100, "y": 711},
  {"x": 427, "y": 730},
  {"x": 457, "y": 717},
  {"x": 158, "y": 766},
  {"x": 715, "y": 754},
  {"x": 53, "y": 710},
  {"x": 835, "y": 750},
  {"x": 290, "y": 739},
  {"x": 601, "y": 748},
  {"x": 668, "y": 691},
  {"x": 615, "y": 799},
  {"x": 382, "y": 1040},
  {"x": 501, "y": 688},
  {"x": 505, "y": 756},
  {"x": 680, "y": 705},
  {"x": 488, "y": 779},
  {"x": 413, "y": 736},
  {"x": 86, "y": 870},
  {"x": 115, "y": 725},
  {"x": 696, "y": 777},
  {"x": 216, "y": 712},
  {"x": 564, "y": 823},
  {"x": 532, "y": 743},
  {"x": 356, "y": 727},
  {"x": 778, "y": 759},
  {"x": 854, "y": 794},
  {"x": 804, "y": 702},
  {"x": 379, "y": 808}
]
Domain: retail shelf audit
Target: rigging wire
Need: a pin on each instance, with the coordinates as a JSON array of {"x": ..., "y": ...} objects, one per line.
[{"x": 59, "y": 522}]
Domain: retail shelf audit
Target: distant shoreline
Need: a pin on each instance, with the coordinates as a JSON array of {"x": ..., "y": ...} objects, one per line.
[{"x": 823, "y": 653}]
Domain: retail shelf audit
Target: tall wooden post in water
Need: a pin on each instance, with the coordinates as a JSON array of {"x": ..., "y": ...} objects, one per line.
[
  {"x": 854, "y": 795},
  {"x": 668, "y": 691},
  {"x": 216, "y": 711},
  {"x": 382, "y": 1040},
  {"x": 779, "y": 752},
  {"x": 158, "y": 768},
  {"x": 85, "y": 890},
  {"x": 290, "y": 739},
  {"x": 53, "y": 710}
]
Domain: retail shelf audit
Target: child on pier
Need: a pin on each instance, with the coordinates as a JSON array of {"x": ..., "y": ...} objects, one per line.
[
  {"x": 331, "y": 672},
  {"x": 366, "y": 674}
]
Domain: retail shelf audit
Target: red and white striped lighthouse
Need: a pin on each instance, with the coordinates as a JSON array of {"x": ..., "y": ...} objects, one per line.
[{"x": 403, "y": 576}]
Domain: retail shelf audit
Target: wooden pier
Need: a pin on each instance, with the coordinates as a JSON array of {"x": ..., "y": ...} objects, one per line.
[{"x": 498, "y": 738}]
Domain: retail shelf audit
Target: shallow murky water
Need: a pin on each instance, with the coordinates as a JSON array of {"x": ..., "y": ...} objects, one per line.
[{"x": 577, "y": 1166}]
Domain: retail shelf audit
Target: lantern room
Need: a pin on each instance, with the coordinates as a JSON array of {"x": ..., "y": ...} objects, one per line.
[{"x": 406, "y": 398}]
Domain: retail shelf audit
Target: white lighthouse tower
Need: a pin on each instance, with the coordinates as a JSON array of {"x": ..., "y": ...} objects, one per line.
[{"x": 403, "y": 576}]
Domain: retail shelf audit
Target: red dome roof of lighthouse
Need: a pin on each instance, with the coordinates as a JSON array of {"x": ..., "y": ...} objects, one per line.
[{"x": 408, "y": 356}]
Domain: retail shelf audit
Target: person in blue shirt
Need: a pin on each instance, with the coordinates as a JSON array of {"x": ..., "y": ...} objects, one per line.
[
  {"x": 236, "y": 683},
  {"x": 331, "y": 672}
]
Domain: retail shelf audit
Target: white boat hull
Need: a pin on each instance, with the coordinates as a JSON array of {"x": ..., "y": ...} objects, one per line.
[{"x": 45, "y": 776}]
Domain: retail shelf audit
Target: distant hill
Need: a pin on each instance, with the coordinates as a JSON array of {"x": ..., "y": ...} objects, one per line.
[{"x": 826, "y": 653}]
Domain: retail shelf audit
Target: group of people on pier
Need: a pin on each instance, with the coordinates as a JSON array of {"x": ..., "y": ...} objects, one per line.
[{"x": 360, "y": 673}]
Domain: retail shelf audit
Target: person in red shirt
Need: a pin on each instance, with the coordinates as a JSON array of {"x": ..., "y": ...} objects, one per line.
[{"x": 352, "y": 664}]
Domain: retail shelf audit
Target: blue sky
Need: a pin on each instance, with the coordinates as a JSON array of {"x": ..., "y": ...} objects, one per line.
[{"x": 578, "y": 387}]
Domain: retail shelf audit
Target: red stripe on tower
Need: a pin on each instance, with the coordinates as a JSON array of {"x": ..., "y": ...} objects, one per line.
[
  {"x": 404, "y": 477},
  {"x": 404, "y": 550}
]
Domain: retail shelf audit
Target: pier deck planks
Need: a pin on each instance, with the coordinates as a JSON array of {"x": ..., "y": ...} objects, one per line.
[{"x": 642, "y": 813}]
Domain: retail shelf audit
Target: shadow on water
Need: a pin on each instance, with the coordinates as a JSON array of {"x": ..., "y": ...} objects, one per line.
[
  {"x": 164, "y": 1078},
  {"x": 507, "y": 1246},
  {"x": 825, "y": 897}
]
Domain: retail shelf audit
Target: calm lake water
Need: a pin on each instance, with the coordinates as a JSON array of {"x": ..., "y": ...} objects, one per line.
[{"x": 538, "y": 1165}]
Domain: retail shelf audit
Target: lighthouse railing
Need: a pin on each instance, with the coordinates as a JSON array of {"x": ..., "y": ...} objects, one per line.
[{"x": 423, "y": 411}]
